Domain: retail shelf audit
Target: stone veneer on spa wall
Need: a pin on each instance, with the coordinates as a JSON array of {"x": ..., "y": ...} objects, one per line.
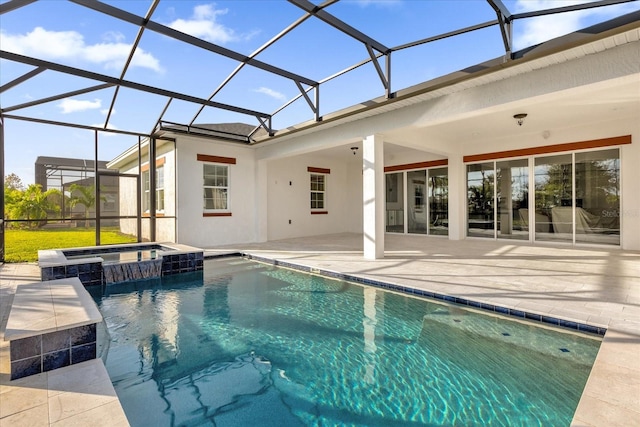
[{"x": 102, "y": 265}]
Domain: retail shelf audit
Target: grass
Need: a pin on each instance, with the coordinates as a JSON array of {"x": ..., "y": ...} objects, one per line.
[{"x": 23, "y": 245}]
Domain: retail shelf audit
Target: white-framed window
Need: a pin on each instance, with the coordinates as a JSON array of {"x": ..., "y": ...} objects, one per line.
[
  {"x": 318, "y": 191},
  {"x": 216, "y": 187},
  {"x": 146, "y": 200}
]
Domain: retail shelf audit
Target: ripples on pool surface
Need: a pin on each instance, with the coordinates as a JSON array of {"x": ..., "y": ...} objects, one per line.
[{"x": 247, "y": 344}]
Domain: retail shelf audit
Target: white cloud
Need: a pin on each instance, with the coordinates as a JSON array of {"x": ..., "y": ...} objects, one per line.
[
  {"x": 105, "y": 111},
  {"x": 539, "y": 29},
  {"x": 204, "y": 24},
  {"x": 113, "y": 36},
  {"x": 272, "y": 93},
  {"x": 74, "y": 105},
  {"x": 58, "y": 45}
]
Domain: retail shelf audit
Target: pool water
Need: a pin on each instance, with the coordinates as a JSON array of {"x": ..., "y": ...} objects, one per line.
[
  {"x": 247, "y": 344},
  {"x": 122, "y": 257}
]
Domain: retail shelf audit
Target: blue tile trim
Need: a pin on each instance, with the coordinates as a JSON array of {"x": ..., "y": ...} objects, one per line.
[
  {"x": 90, "y": 273},
  {"x": 581, "y": 327},
  {"x": 46, "y": 352},
  {"x": 226, "y": 255}
]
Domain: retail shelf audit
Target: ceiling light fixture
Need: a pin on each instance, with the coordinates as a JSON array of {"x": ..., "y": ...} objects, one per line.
[
  {"x": 520, "y": 118},
  {"x": 355, "y": 150}
]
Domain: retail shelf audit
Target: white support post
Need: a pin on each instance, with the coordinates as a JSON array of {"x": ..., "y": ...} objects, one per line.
[
  {"x": 373, "y": 196},
  {"x": 261, "y": 219},
  {"x": 457, "y": 197}
]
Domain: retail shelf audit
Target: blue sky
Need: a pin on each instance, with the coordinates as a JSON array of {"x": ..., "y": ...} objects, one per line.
[{"x": 73, "y": 35}]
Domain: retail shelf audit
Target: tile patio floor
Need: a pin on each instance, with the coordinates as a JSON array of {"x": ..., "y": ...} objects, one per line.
[{"x": 596, "y": 286}]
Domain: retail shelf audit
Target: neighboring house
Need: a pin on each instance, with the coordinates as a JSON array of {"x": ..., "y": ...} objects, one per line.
[
  {"x": 61, "y": 173},
  {"x": 544, "y": 148}
]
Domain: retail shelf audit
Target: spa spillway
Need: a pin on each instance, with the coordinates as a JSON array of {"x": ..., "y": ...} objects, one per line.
[{"x": 104, "y": 265}]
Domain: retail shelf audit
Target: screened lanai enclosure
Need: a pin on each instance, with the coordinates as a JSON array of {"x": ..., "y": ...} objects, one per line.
[{"x": 93, "y": 94}]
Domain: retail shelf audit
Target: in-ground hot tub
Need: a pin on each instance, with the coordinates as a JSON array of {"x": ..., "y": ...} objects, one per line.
[{"x": 103, "y": 265}]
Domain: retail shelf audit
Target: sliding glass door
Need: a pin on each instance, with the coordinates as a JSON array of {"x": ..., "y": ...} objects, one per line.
[
  {"x": 417, "y": 201},
  {"x": 512, "y": 190},
  {"x": 394, "y": 222},
  {"x": 439, "y": 201},
  {"x": 597, "y": 207},
  {"x": 553, "y": 200},
  {"x": 576, "y": 200},
  {"x": 480, "y": 198}
]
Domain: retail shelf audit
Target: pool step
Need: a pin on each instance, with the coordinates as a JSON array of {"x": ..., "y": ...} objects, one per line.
[{"x": 51, "y": 325}]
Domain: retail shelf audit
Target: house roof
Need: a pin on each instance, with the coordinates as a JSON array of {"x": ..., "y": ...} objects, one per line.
[
  {"x": 237, "y": 132},
  {"x": 66, "y": 163}
]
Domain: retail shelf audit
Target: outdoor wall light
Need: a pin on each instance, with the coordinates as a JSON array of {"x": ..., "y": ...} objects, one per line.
[
  {"x": 355, "y": 150},
  {"x": 520, "y": 118}
]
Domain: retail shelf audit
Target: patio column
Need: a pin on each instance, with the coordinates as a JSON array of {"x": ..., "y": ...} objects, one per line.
[
  {"x": 457, "y": 197},
  {"x": 261, "y": 210},
  {"x": 373, "y": 196}
]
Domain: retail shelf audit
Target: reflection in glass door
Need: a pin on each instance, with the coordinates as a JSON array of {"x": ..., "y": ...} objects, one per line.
[
  {"x": 598, "y": 197},
  {"x": 512, "y": 181},
  {"x": 480, "y": 206},
  {"x": 439, "y": 201},
  {"x": 553, "y": 199},
  {"x": 394, "y": 220},
  {"x": 417, "y": 202}
]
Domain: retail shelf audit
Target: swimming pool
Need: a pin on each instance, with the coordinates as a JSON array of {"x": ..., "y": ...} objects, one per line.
[{"x": 246, "y": 343}]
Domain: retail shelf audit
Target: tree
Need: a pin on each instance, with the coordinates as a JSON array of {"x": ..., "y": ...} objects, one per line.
[
  {"x": 13, "y": 182},
  {"x": 31, "y": 204},
  {"x": 85, "y": 196}
]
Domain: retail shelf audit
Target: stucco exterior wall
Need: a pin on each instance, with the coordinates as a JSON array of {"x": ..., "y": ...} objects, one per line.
[
  {"x": 289, "y": 198},
  {"x": 165, "y": 227},
  {"x": 192, "y": 227},
  {"x": 630, "y": 209}
]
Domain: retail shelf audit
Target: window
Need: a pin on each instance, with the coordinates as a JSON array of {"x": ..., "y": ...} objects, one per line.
[
  {"x": 318, "y": 189},
  {"x": 216, "y": 187},
  {"x": 159, "y": 190}
]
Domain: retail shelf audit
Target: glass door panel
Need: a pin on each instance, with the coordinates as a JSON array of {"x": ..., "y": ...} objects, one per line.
[
  {"x": 417, "y": 202},
  {"x": 439, "y": 201},
  {"x": 598, "y": 197},
  {"x": 480, "y": 206},
  {"x": 512, "y": 180},
  {"x": 553, "y": 198},
  {"x": 394, "y": 220}
]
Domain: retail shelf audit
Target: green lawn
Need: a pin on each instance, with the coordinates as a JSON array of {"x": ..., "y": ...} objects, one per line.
[{"x": 23, "y": 245}]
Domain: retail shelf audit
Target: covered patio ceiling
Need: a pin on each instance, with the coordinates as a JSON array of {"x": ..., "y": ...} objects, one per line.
[{"x": 368, "y": 54}]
